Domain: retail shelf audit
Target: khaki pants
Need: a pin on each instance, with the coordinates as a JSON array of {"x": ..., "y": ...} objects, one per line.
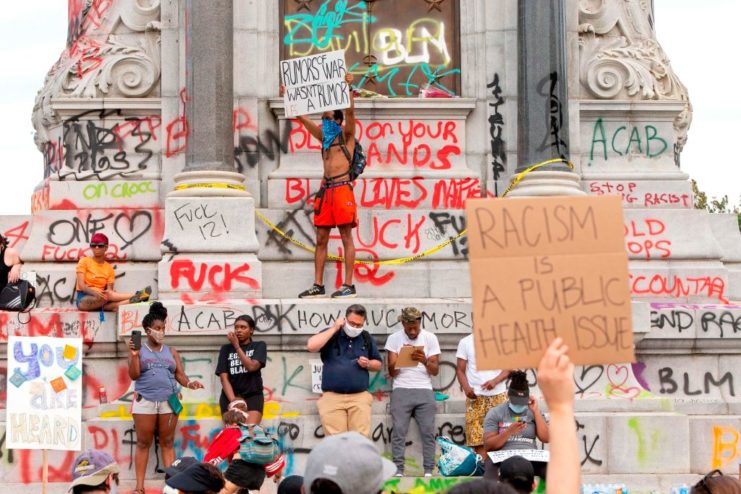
[{"x": 345, "y": 412}]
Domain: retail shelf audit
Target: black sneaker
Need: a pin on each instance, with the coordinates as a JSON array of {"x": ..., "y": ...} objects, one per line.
[
  {"x": 345, "y": 291},
  {"x": 316, "y": 291}
]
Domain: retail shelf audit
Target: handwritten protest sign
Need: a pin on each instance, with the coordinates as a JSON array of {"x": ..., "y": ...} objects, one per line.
[
  {"x": 529, "y": 454},
  {"x": 44, "y": 393},
  {"x": 316, "y": 375},
  {"x": 548, "y": 267},
  {"x": 315, "y": 83}
]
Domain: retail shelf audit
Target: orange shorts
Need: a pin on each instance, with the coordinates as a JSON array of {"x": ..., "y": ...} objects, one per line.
[{"x": 335, "y": 206}]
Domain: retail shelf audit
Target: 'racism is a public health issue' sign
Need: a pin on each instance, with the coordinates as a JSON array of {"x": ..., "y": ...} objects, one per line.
[{"x": 548, "y": 267}]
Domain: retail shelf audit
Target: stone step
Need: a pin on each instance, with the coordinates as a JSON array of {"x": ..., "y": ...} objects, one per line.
[
  {"x": 55, "y": 282},
  {"x": 616, "y": 444}
]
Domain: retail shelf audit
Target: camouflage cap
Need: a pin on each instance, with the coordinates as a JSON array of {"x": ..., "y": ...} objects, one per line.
[{"x": 410, "y": 314}]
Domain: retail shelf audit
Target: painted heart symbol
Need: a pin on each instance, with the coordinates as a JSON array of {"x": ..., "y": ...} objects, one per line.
[
  {"x": 129, "y": 229},
  {"x": 617, "y": 375},
  {"x": 583, "y": 383}
]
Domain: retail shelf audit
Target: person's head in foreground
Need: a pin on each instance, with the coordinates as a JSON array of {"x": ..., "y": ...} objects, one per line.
[
  {"x": 179, "y": 465},
  {"x": 482, "y": 486},
  {"x": 518, "y": 472},
  {"x": 717, "y": 483},
  {"x": 200, "y": 478},
  {"x": 291, "y": 485},
  {"x": 94, "y": 472},
  {"x": 346, "y": 463},
  {"x": 518, "y": 392}
]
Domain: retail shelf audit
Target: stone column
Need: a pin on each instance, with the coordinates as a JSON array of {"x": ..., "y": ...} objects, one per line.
[
  {"x": 543, "y": 113},
  {"x": 210, "y": 217}
]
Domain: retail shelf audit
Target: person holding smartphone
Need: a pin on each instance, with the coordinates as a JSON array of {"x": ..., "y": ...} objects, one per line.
[
  {"x": 515, "y": 424},
  {"x": 156, "y": 370},
  {"x": 239, "y": 365}
]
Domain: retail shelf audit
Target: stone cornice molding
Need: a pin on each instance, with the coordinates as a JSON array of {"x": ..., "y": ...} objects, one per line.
[{"x": 393, "y": 108}]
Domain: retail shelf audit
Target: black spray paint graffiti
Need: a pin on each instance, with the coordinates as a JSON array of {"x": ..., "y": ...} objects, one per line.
[
  {"x": 670, "y": 386},
  {"x": 458, "y": 222},
  {"x": 720, "y": 324},
  {"x": 92, "y": 150},
  {"x": 128, "y": 227},
  {"x": 588, "y": 448},
  {"x": 251, "y": 149},
  {"x": 555, "y": 116},
  {"x": 496, "y": 129}
]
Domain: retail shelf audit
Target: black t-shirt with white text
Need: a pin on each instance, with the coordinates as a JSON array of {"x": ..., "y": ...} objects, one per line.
[{"x": 243, "y": 382}]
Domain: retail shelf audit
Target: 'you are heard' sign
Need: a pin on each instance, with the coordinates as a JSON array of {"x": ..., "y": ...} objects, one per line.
[
  {"x": 315, "y": 83},
  {"x": 44, "y": 393},
  {"x": 548, "y": 267}
]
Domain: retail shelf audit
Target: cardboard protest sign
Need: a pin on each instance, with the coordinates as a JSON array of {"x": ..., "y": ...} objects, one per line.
[
  {"x": 548, "y": 267},
  {"x": 44, "y": 393},
  {"x": 316, "y": 375},
  {"x": 405, "y": 356},
  {"x": 315, "y": 83}
]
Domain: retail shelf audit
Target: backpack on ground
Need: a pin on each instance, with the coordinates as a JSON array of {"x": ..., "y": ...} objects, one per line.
[
  {"x": 457, "y": 460},
  {"x": 17, "y": 296},
  {"x": 357, "y": 160},
  {"x": 256, "y": 446}
]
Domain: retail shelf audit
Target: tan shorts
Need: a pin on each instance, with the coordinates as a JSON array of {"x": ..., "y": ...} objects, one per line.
[
  {"x": 345, "y": 412},
  {"x": 475, "y": 414},
  {"x": 146, "y": 407}
]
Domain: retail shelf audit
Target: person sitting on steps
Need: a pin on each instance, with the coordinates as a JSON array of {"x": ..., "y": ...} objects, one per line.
[{"x": 95, "y": 279}]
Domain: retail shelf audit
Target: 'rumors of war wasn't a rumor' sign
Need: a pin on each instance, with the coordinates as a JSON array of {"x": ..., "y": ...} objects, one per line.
[
  {"x": 548, "y": 267},
  {"x": 315, "y": 83}
]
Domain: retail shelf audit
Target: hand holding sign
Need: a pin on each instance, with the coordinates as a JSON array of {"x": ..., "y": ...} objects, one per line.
[
  {"x": 314, "y": 84},
  {"x": 548, "y": 267}
]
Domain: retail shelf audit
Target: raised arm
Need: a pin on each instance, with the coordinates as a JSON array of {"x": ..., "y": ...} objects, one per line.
[
  {"x": 317, "y": 342},
  {"x": 313, "y": 128},
  {"x": 556, "y": 382},
  {"x": 350, "y": 112}
]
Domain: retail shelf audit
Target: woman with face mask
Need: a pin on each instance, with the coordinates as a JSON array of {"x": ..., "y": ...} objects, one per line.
[
  {"x": 239, "y": 365},
  {"x": 515, "y": 424},
  {"x": 156, "y": 370}
]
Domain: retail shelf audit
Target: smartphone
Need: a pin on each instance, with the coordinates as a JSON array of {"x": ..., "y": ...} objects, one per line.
[{"x": 136, "y": 337}]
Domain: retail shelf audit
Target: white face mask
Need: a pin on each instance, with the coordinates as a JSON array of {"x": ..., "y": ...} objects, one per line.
[
  {"x": 352, "y": 332},
  {"x": 157, "y": 336}
]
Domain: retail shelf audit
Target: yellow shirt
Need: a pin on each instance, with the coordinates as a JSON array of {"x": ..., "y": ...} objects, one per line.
[{"x": 96, "y": 275}]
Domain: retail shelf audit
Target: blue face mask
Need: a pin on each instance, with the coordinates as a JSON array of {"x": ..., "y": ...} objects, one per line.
[
  {"x": 330, "y": 129},
  {"x": 517, "y": 409}
]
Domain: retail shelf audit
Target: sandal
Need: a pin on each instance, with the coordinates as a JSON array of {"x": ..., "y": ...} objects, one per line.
[{"x": 141, "y": 296}]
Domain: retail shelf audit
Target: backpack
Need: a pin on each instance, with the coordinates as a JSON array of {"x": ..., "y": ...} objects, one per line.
[
  {"x": 17, "y": 296},
  {"x": 458, "y": 461},
  {"x": 358, "y": 159},
  {"x": 256, "y": 446}
]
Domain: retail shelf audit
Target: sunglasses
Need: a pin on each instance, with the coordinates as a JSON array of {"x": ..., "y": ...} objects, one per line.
[
  {"x": 703, "y": 481},
  {"x": 98, "y": 246}
]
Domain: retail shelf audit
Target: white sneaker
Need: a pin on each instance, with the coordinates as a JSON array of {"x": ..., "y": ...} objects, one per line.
[{"x": 428, "y": 474}]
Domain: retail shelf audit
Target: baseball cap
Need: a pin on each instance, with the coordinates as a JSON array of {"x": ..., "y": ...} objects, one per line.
[
  {"x": 196, "y": 478},
  {"x": 518, "y": 396},
  {"x": 99, "y": 238},
  {"x": 517, "y": 468},
  {"x": 180, "y": 465},
  {"x": 351, "y": 461},
  {"x": 92, "y": 468},
  {"x": 410, "y": 314},
  {"x": 291, "y": 485}
]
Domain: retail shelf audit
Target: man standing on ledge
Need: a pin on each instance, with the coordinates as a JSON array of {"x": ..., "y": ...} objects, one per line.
[
  {"x": 348, "y": 352},
  {"x": 334, "y": 205}
]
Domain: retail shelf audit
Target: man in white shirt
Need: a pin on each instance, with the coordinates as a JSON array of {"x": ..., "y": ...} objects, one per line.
[
  {"x": 483, "y": 389},
  {"x": 412, "y": 393}
]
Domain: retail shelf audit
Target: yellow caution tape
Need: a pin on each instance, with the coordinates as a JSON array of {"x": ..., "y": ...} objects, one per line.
[
  {"x": 210, "y": 186},
  {"x": 404, "y": 260}
]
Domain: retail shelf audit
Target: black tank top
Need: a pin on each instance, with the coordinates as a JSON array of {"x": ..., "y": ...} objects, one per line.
[{"x": 4, "y": 269}]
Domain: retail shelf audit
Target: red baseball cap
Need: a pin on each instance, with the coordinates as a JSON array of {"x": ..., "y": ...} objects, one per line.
[{"x": 99, "y": 238}]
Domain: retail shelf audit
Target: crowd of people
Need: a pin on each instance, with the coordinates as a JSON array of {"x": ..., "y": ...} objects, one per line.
[{"x": 346, "y": 461}]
